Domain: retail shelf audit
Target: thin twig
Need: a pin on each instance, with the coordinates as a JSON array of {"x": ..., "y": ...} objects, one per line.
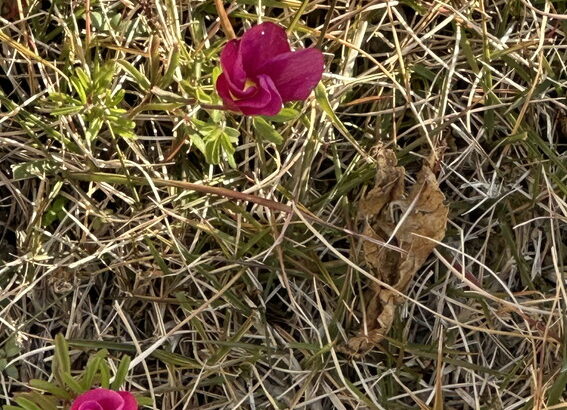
[
  {"x": 224, "y": 20},
  {"x": 206, "y": 189},
  {"x": 87, "y": 23}
]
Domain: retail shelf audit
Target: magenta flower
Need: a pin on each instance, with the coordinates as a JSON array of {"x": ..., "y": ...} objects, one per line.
[
  {"x": 104, "y": 399},
  {"x": 260, "y": 72}
]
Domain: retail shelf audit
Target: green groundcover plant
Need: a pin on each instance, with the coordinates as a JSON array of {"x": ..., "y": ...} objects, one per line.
[{"x": 260, "y": 73}]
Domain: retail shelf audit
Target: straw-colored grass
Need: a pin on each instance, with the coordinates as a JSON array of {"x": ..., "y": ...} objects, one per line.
[{"x": 226, "y": 302}]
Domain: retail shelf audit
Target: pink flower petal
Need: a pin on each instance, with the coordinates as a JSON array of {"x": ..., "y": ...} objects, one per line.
[
  {"x": 266, "y": 101},
  {"x": 130, "y": 402},
  {"x": 104, "y": 399},
  {"x": 231, "y": 63},
  {"x": 224, "y": 89},
  {"x": 295, "y": 74},
  {"x": 236, "y": 92},
  {"x": 90, "y": 405},
  {"x": 262, "y": 43}
]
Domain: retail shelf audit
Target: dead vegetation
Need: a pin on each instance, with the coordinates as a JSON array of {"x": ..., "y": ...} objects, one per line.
[{"x": 224, "y": 302}]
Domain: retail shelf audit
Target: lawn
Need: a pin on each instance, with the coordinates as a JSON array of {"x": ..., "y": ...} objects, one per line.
[{"x": 393, "y": 238}]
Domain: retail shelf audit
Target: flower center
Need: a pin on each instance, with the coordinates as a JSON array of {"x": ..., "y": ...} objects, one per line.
[{"x": 249, "y": 83}]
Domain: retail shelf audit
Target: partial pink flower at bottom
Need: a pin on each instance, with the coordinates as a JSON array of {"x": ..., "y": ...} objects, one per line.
[{"x": 104, "y": 399}]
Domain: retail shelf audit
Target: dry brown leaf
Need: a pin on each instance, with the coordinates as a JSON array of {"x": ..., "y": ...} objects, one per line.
[
  {"x": 388, "y": 185},
  {"x": 423, "y": 222}
]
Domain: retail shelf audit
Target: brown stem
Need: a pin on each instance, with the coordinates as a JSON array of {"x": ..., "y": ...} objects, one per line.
[
  {"x": 218, "y": 191},
  {"x": 206, "y": 189},
  {"x": 225, "y": 22},
  {"x": 87, "y": 23}
]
